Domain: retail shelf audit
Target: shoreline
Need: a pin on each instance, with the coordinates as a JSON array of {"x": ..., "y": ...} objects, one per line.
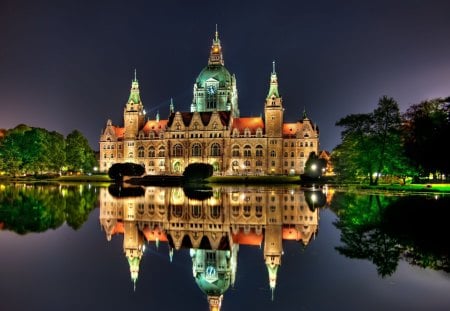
[{"x": 248, "y": 180}]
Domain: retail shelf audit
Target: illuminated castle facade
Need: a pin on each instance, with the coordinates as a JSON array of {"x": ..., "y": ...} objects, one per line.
[
  {"x": 212, "y": 131},
  {"x": 212, "y": 228}
]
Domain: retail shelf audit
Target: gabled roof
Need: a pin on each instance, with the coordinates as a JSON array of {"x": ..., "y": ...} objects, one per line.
[
  {"x": 252, "y": 123},
  {"x": 250, "y": 238},
  {"x": 119, "y": 131},
  {"x": 155, "y": 126},
  {"x": 291, "y": 128},
  {"x": 204, "y": 116}
]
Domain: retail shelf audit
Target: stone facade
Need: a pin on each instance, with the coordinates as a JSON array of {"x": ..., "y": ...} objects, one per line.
[{"x": 212, "y": 131}]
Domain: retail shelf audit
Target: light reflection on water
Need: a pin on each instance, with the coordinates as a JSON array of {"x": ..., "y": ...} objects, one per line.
[{"x": 269, "y": 248}]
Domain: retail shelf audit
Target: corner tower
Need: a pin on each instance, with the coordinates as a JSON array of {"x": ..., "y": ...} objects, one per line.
[
  {"x": 133, "y": 113},
  {"x": 273, "y": 118},
  {"x": 215, "y": 88}
]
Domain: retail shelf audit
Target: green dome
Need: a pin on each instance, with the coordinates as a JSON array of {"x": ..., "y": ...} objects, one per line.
[
  {"x": 219, "y": 73},
  {"x": 213, "y": 287}
]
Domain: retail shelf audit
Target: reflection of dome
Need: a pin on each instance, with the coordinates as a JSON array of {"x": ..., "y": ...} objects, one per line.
[
  {"x": 213, "y": 283},
  {"x": 216, "y": 72}
]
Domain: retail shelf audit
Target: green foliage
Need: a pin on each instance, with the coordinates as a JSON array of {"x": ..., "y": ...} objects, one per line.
[
  {"x": 118, "y": 170},
  {"x": 36, "y": 208},
  {"x": 80, "y": 156},
  {"x": 198, "y": 171},
  {"x": 384, "y": 229},
  {"x": 31, "y": 150},
  {"x": 427, "y": 125},
  {"x": 371, "y": 145}
]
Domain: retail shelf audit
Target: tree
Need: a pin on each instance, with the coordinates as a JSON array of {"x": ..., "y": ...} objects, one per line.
[
  {"x": 314, "y": 166},
  {"x": 79, "y": 155},
  {"x": 371, "y": 144},
  {"x": 426, "y": 126}
]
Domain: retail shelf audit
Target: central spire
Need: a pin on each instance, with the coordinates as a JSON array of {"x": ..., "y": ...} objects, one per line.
[
  {"x": 215, "y": 55},
  {"x": 134, "y": 92},
  {"x": 273, "y": 90}
]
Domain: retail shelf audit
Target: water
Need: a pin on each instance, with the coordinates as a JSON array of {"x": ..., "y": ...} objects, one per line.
[{"x": 93, "y": 248}]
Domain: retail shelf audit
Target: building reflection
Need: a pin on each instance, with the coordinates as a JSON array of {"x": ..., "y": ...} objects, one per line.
[{"x": 212, "y": 223}]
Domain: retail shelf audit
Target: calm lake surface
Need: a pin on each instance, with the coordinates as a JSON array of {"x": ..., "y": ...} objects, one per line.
[{"x": 85, "y": 247}]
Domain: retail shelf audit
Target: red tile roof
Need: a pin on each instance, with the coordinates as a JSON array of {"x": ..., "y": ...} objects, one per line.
[
  {"x": 153, "y": 125},
  {"x": 291, "y": 234},
  {"x": 119, "y": 131},
  {"x": 290, "y": 128},
  {"x": 250, "y": 238},
  {"x": 252, "y": 123}
]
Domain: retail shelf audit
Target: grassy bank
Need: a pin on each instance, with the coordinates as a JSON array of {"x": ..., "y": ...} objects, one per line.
[{"x": 269, "y": 180}]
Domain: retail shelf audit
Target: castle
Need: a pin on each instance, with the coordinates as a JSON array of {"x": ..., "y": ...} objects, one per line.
[{"x": 212, "y": 132}]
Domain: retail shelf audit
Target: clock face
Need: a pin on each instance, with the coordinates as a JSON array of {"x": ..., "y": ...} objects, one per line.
[{"x": 211, "y": 90}]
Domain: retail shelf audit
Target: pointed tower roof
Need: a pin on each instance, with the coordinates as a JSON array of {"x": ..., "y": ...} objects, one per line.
[
  {"x": 171, "y": 106},
  {"x": 215, "y": 55},
  {"x": 272, "y": 269},
  {"x": 134, "y": 269},
  {"x": 134, "y": 92},
  {"x": 273, "y": 90}
]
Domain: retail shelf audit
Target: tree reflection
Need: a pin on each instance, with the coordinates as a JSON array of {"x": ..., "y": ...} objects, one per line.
[
  {"x": 28, "y": 208},
  {"x": 385, "y": 229}
]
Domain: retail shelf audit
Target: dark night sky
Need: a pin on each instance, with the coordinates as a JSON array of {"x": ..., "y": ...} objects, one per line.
[{"x": 68, "y": 65}]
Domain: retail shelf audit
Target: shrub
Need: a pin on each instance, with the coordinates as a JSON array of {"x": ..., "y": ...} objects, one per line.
[
  {"x": 195, "y": 171},
  {"x": 118, "y": 170}
]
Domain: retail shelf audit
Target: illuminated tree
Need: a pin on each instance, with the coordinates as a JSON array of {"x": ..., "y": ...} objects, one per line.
[
  {"x": 371, "y": 144},
  {"x": 79, "y": 155}
]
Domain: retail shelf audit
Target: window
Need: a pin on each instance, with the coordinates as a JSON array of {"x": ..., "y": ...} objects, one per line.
[
  {"x": 178, "y": 150},
  {"x": 196, "y": 150},
  {"x": 235, "y": 152},
  {"x": 215, "y": 150},
  {"x": 162, "y": 151},
  {"x": 151, "y": 152},
  {"x": 258, "y": 163},
  {"x": 141, "y": 152},
  {"x": 273, "y": 154},
  {"x": 247, "y": 151},
  {"x": 302, "y": 154},
  {"x": 311, "y": 144},
  {"x": 285, "y": 154},
  {"x": 247, "y": 163},
  {"x": 259, "y": 151},
  {"x": 292, "y": 154}
]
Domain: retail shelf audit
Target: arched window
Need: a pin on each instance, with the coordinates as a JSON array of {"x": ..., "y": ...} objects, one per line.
[
  {"x": 235, "y": 163},
  {"x": 215, "y": 150},
  {"x": 259, "y": 132},
  {"x": 141, "y": 152},
  {"x": 151, "y": 152},
  {"x": 178, "y": 150},
  {"x": 258, "y": 163},
  {"x": 302, "y": 154},
  {"x": 196, "y": 211},
  {"x": 196, "y": 150},
  {"x": 259, "y": 151},
  {"x": 235, "y": 152},
  {"x": 285, "y": 154},
  {"x": 162, "y": 151},
  {"x": 247, "y": 163},
  {"x": 311, "y": 144},
  {"x": 273, "y": 154},
  {"x": 214, "y": 211},
  {"x": 247, "y": 151}
]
